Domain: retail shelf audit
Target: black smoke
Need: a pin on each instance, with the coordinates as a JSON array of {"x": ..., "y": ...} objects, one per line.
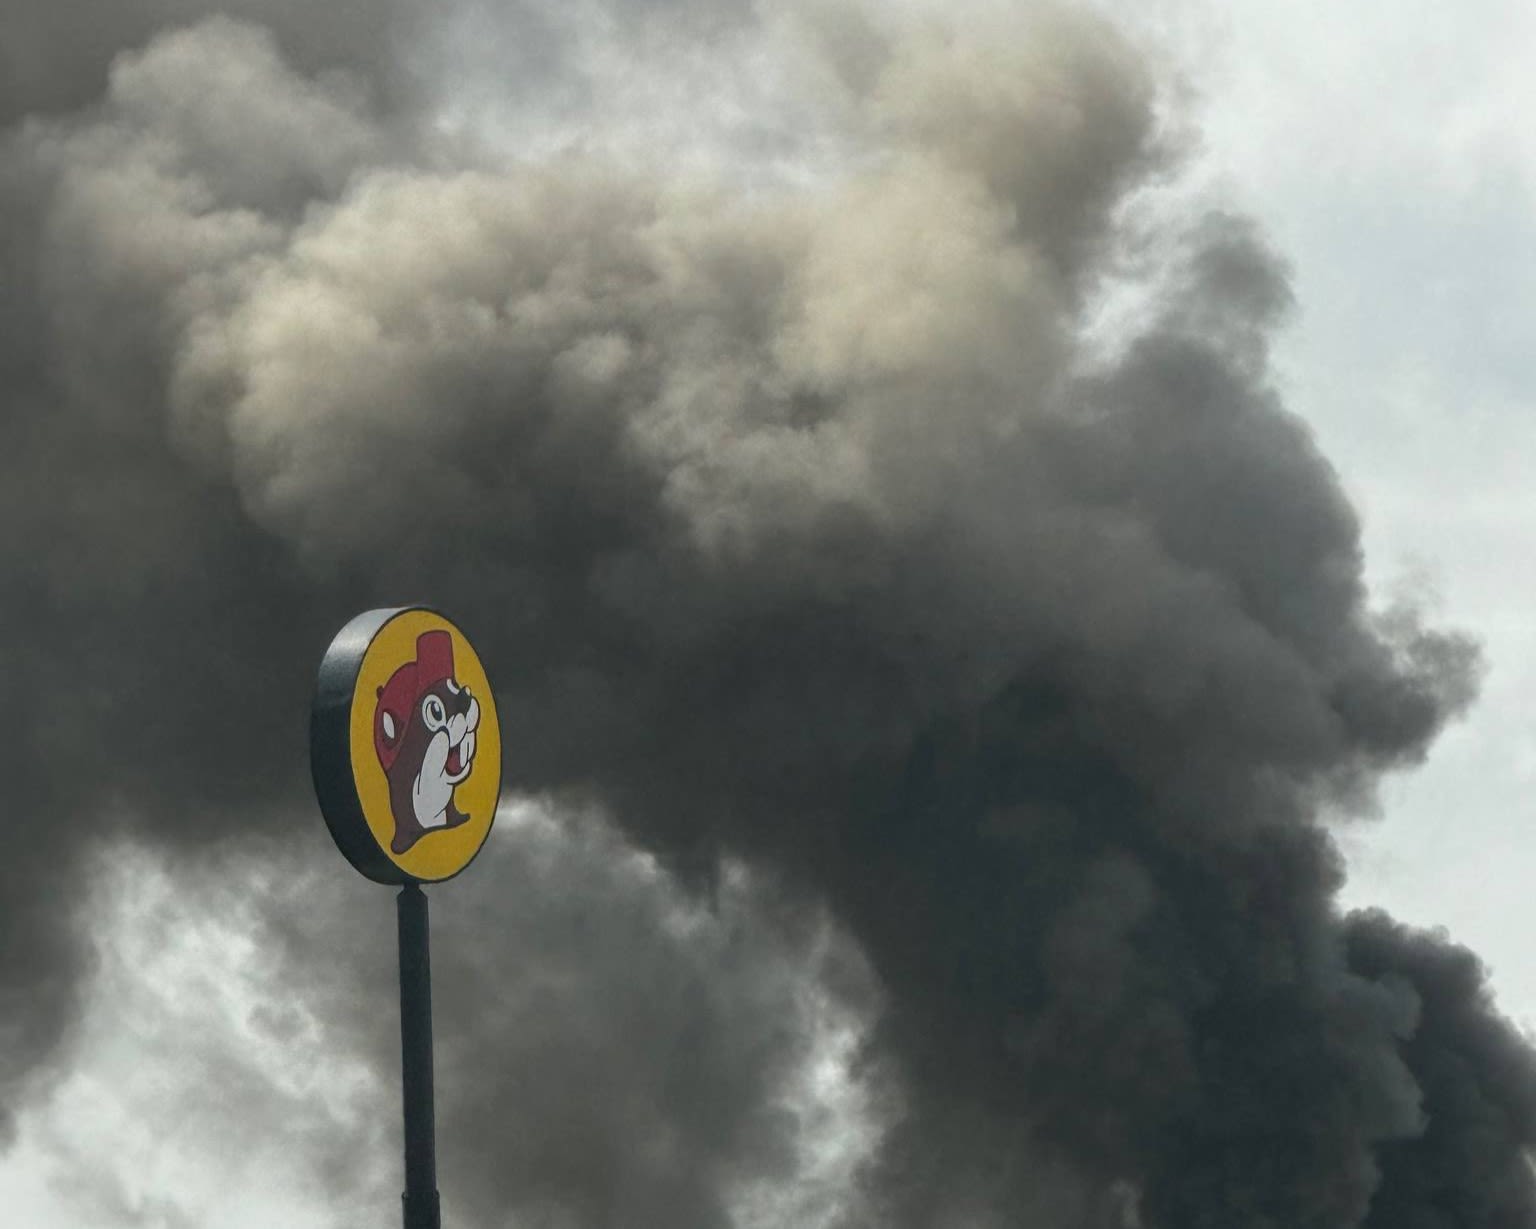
[{"x": 813, "y": 529}]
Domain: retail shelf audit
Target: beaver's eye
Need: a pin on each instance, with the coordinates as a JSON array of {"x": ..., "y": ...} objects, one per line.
[{"x": 433, "y": 713}]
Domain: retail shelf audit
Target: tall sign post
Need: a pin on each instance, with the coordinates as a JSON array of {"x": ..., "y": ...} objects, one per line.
[{"x": 405, "y": 751}]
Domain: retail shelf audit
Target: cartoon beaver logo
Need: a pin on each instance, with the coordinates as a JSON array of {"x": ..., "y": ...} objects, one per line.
[{"x": 424, "y": 732}]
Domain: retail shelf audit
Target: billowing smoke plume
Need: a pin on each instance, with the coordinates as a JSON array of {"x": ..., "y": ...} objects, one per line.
[{"x": 815, "y": 528}]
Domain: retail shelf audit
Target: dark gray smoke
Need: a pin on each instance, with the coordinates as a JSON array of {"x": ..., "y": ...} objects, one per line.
[
  {"x": 816, "y": 528},
  {"x": 1470, "y": 1165}
]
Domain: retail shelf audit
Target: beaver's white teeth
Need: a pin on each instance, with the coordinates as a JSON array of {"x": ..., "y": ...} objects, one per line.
[{"x": 460, "y": 760}]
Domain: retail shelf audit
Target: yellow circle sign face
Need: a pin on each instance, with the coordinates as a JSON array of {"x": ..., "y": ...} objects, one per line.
[{"x": 405, "y": 746}]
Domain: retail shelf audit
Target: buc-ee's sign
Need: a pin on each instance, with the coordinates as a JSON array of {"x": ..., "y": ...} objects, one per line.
[{"x": 404, "y": 746}]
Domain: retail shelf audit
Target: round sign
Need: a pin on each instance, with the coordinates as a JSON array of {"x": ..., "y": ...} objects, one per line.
[{"x": 405, "y": 747}]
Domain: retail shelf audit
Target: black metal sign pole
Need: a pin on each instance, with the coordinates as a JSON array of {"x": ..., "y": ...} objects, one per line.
[{"x": 420, "y": 1198}]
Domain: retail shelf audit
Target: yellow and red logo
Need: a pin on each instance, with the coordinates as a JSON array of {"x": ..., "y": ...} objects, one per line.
[{"x": 405, "y": 747}]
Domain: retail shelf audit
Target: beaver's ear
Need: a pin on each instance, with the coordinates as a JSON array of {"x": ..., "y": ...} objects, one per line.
[{"x": 378, "y": 693}]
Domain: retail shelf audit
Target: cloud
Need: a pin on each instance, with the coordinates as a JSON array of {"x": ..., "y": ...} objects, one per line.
[
  {"x": 605, "y": 1046},
  {"x": 803, "y": 528}
]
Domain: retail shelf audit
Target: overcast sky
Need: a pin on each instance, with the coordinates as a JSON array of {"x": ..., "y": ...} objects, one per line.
[{"x": 1385, "y": 151}]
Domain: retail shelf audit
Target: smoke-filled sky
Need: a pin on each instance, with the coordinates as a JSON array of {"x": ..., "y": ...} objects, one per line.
[{"x": 997, "y": 530}]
